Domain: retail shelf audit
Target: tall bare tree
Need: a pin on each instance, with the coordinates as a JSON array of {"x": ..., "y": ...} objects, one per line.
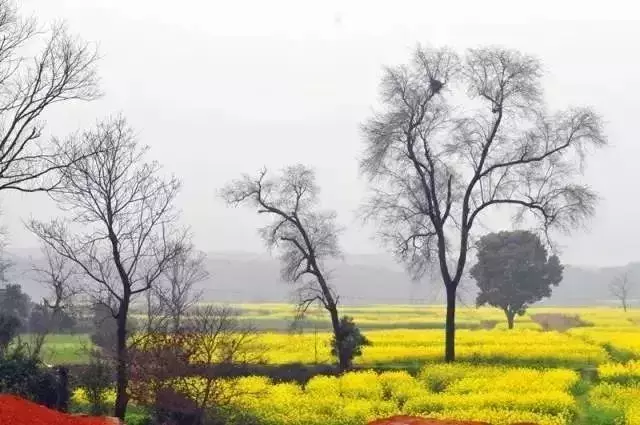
[
  {"x": 437, "y": 161},
  {"x": 177, "y": 293},
  {"x": 121, "y": 230},
  {"x": 63, "y": 70},
  {"x": 621, "y": 287},
  {"x": 304, "y": 236}
]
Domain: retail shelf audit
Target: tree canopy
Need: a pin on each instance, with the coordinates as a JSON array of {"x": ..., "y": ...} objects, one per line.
[
  {"x": 514, "y": 271},
  {"x": 14, "y": 302}
]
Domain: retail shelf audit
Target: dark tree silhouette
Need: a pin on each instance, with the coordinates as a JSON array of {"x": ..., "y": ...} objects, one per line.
[
  {"x": 124, "y": 226},
  {"x": 62, "y": 71},
  {"x": 9, "y": 328},
  {"x": 14, "y": 302},
  {"x": 437, "y": 161},
  {"x": 513, "y": 271},
  {"x": 304, "y": 236}
]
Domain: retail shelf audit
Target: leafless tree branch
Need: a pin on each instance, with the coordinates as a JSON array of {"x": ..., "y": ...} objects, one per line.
[
  {"x": 176, "y": 292},
  {"x": 63, "y": 70}
]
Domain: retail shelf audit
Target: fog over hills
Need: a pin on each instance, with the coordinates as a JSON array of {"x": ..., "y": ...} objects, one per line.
[{"x": 362, "y": 279}]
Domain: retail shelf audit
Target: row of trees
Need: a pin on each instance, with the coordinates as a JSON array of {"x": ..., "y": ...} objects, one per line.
[
  {"x": 456, "y": 135},
  {"x": 438, "y": 162},
  {"x": 120, "y": 228}
]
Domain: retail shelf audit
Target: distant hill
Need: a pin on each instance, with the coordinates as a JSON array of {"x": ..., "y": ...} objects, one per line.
[{"x": 362, "y": 279}]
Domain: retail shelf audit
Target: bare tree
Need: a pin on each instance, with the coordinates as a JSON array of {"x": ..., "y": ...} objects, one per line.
[
  {"x": 436, "y": 167},
  {"x": 126, "y": 236},
  {"x": 304, "y": 237},
  {"x": 621, "y": 287},
  {"x": 64, "y": 70},
  {"x": 177, "y": 293},
  {"x": 58, "y": 276}
]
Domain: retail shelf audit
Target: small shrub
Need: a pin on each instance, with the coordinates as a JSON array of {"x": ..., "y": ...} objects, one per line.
[
  {"x": 137, "y": 419},
  {"x": 350, "y": 341},
  {"x": 96, "y": 381},
  {"x": 23, "y": 375},
  {"x": 437, "y": 386}
]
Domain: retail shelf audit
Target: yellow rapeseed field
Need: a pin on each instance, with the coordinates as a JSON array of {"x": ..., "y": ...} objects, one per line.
[
  {"x": 622, "y": 401},
  {"x": 503, "y": 376},
  {"x": 620, "y": 372},
  {"x": 497, "y": 394},
  {"x": 517, "y": 346},
  {"x": 621, "y": 339}
]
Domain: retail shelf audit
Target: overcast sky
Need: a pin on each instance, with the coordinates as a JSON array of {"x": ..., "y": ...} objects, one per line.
[{"x": 218, "y": 88}]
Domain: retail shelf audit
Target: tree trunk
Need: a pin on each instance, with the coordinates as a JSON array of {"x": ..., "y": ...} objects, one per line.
[
  {"x": 62, "y": 403},
  {"x": 122, "y": 369},
  {"x": 176, "y": 323},
  {"x": 450, "y": 325},
  {"x": 510, "y": 317},
  {"x": 343, "y": 360}
]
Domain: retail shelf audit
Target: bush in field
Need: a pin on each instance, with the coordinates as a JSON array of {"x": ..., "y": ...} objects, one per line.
[
  {"x": 23, "y": 374},
  {"x": 350, "y": 341},
  {"x": 17, "y": 372},
  {"x": 179, "y": 373}
]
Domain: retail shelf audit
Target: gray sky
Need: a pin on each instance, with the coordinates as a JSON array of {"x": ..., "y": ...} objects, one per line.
[{"x": 220, "y": 88}]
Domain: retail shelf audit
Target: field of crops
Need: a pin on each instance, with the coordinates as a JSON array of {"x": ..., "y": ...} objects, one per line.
[
  {"x": 518, "y": 347},
  {"x": 496, "y": 394},
  {"x": 587, "y": 374}
]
